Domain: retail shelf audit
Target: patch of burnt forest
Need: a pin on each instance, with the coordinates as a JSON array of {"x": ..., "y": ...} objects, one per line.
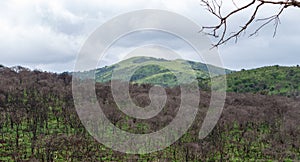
[{"x": 38, "y": 122}]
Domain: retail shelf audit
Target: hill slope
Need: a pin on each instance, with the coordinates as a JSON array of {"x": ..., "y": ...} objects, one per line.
[
  {"x": 157, "y": 71},
  {"x": 272, "y": 80}
]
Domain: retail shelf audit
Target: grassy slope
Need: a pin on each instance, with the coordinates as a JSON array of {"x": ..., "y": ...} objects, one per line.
[{"x": 158, "y": 71}]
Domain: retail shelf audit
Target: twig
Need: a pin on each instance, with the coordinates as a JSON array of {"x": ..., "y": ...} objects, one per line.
[{"x": 214, "y": 7}]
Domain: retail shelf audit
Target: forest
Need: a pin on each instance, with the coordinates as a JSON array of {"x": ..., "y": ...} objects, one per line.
[{"x": 39, "y": 123}]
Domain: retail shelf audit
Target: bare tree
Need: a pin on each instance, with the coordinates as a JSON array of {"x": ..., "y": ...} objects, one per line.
[{"x": 220, "y": 30}]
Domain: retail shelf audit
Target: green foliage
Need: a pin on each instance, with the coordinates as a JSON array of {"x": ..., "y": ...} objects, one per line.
[
  {"x": 272, "y": 80},
  {"x": 159, "y": 71}
]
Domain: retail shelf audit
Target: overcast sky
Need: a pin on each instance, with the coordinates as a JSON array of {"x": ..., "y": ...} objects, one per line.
[{"x": 48, "y": 35}]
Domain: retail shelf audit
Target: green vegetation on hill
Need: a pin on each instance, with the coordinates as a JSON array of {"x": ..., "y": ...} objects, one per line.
[
  {"x": 272, "y": 80},
  {"x": 158, "y": 71}
]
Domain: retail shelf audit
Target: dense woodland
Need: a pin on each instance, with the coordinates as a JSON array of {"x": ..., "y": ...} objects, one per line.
[{"x": 39, "y": 123}]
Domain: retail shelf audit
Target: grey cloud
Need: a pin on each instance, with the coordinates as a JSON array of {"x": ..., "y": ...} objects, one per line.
[{"x": 49, "y": 34}]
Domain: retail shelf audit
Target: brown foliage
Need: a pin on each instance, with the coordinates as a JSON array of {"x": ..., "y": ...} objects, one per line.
[{"x": 31, "y": 99}]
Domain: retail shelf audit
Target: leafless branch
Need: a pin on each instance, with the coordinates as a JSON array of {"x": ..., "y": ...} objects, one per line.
[{"x": 220, "y": 30}]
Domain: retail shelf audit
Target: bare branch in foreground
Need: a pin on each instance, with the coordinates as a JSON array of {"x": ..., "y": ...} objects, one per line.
[{"x": 220, "y": 30}]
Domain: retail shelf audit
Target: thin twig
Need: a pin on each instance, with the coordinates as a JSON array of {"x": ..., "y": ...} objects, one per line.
[{"x": 220, "y": 30}]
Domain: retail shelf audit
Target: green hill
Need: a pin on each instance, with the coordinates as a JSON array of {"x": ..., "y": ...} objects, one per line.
[
  {"x": 271, "y": 80},
  {"x": 157, "y": 71}
]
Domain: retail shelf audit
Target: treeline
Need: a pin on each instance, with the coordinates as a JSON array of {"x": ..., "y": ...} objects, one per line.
[{"x": 38, "y": 122}]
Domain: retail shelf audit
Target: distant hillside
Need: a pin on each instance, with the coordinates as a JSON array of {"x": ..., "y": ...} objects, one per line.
[
  {"x": 157, "y": 71},
  {"x": 272, "y": 80}
]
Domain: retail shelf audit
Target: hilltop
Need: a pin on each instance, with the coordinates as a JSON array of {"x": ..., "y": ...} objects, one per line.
[{"x": 158, "y": 71}]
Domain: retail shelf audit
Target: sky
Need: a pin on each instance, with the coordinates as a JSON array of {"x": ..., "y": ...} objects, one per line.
[{"x": 48, "y": 35}]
